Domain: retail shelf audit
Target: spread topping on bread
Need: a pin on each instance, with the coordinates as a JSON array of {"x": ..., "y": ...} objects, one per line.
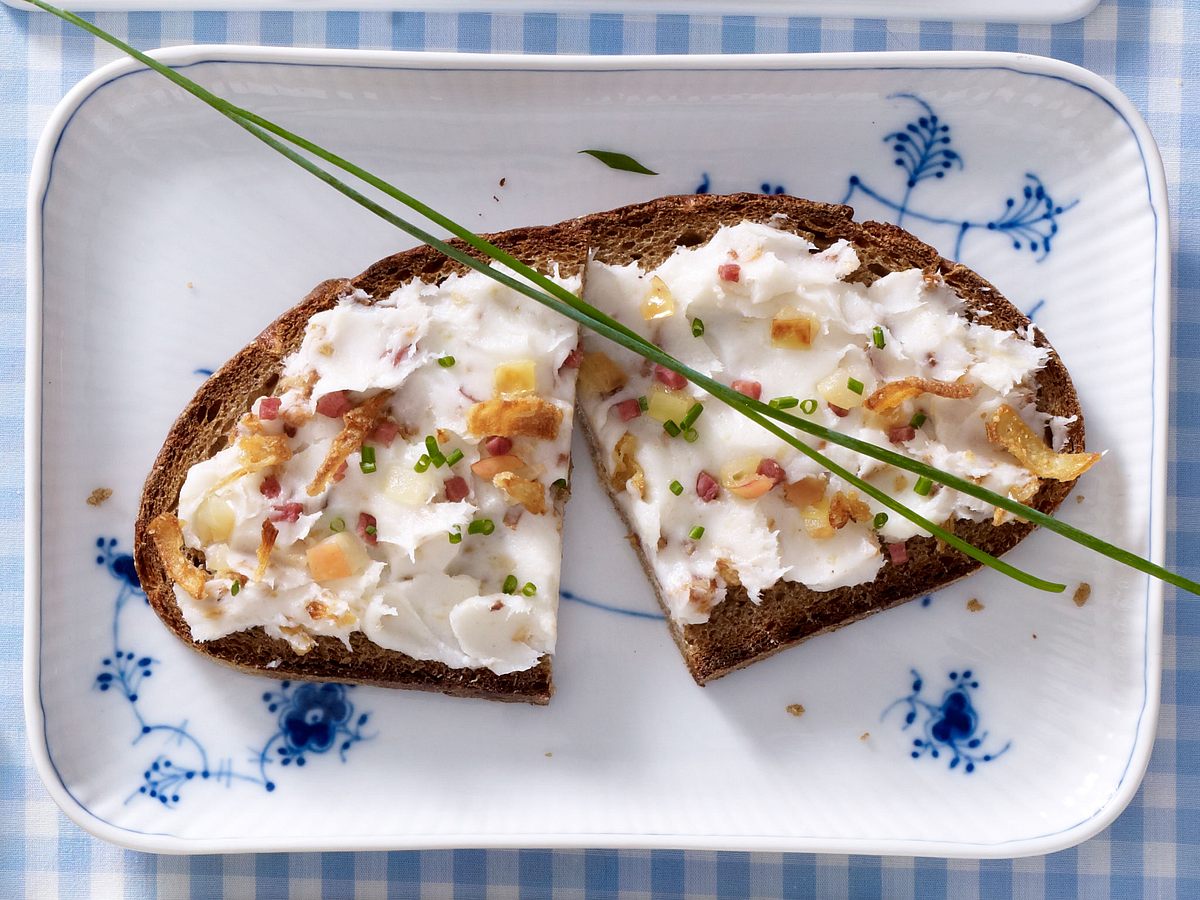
[
  {"x": 900, "y": 362},
  {"x": 365, "y": 495}
]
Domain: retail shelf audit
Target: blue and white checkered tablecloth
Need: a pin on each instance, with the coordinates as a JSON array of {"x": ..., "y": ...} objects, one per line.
[{"x": 1147, "y": 47}]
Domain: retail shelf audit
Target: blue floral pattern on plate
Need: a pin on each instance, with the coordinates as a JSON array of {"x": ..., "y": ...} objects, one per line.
[
  {"x": 311, "y": 718},
  {"x": 950, "y": 726}
]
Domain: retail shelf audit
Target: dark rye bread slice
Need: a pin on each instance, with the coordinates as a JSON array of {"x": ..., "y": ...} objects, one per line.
[
  {"x": 741, "y": 632},
  {"x": 202, "y": 429}
]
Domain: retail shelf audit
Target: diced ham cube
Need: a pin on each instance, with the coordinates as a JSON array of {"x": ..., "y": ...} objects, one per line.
[
  {"x": 898, "y": 434},
  {"x": 772, "y": 470},
  {"x": 673, "y": 380},
  {"x": 838, "y": 411},
  {"x": 457, "y": 489},
  {"x": 268, "y": 408},
  {"x": 707, "y": 487},
  {"x": 366, "y": 529},
  {"x": 341, "y": 472},
  {"x": 497, "y": 445},
  {"x": 385, "y": 432},
  {"x": 335, "y": 405},
  {"x": 286, "y": 512},
  {"x": 574, "y": 358},
  {"x": 402, "y": 354},
  {"x": 269, "y": 487},
  {"x": 628, "y": 409},
  {"x": 898, "y": 552},
  {"x": 729, "y": 272},
  {"x": 751, "y": 389}
]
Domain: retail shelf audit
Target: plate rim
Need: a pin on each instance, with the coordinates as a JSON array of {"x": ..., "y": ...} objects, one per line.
[{"x": 416, "y": 60}]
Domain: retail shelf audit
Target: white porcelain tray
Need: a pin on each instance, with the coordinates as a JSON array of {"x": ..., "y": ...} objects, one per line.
[
  {"x": 161, "y": 239},
  {"x": 1028, "y": 11}
]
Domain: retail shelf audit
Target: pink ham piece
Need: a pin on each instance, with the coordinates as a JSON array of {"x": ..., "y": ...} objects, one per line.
[
  {"x": 385, "y": 432},
  {"x": 269, "y": 487},
  {"x": 898, "y": 552},
  {"x": 498, "y": 445},
  {"x": 729, "y": 272},
  {"x": 268, "y": 408},
  {"x": 751, "y": 389},
  {"x": 673, "y": 380},
  {"x": 628, "y": 409},
  {"x": 335, "y": 405},
  {"x": 286, "y": 512},
  {"x": 707, "y": 488},
  {"x": 771, "y": 469},
  {"x": 901, "y": 433},
  {"x": 457, "y": 489}
]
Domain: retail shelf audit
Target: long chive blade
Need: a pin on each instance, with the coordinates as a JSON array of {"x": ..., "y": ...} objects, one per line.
[{"x": 566, "y": 303}]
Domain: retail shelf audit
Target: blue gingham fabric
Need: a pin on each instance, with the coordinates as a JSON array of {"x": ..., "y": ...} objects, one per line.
[{"x": 1147, "y": 47}]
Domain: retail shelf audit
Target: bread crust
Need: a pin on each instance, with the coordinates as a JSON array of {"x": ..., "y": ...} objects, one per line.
[
  {"x": 202, "y": 428},
  {"x": 740, "y": 632}
]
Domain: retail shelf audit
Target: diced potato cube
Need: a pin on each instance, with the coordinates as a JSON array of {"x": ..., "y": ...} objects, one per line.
[
  {"x": 214, "y": 521},
  {"x": 659, "y": 303},
  {"x": 339, "y": 556},
  {"x": 793, "y": 330},
  {"x": 665, "y": 405},
  {"x": 516, "y": 377},
  {"x": 412, "y": 488},
  {"x": 835, "y": 389}
]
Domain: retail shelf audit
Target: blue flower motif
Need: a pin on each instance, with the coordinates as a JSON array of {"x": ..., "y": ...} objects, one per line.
[
  {"x": 950, "y": 726},
  {"x": 312, "y": 720}
]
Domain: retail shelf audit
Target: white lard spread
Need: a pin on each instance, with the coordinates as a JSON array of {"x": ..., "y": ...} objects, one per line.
[
  {"x": 736, "y": 285},
  {"x": 378, "y": 551}
]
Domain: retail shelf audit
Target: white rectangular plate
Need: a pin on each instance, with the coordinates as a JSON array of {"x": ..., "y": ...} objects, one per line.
[
  {"x": 162, "y": 239},
  {"x": 1028, "y": 11}
]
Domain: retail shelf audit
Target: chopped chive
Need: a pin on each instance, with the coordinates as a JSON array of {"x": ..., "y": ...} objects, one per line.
[
  {"x": 559, "y": 484},
  {"x": 336, "y": 524},
  {"x": 454, "y": 458},
  {"x": 643, "y": 403},
  {"x": 923, "y": 486},
  {"x": 671, "y": 428},
  {"x": 530, "y": 589},
  {"x": 697, "y": 327},
  {"x": 422, "y": 464},
  {"x": 367, "y": 462},
  {"x": 371, "y": 530},
  {"x": 455, "y": 537},
  {"x": 446, "y": 361},
  {"x": 692, "y": 415},
  {"x": 691, "y": 435},
  {"x": 435, "y": 452},
  {"x": 510, "y": 584},
  {"x": 696, "y": 533},
  {"x": 880, "y": 519},
  {"x": 676, "y": 488},
  {"x": 808, "y": 407},
  {"x": 918, "y": 419},
  {"x": 877, "y": 337},
  {"x": 855, "y": 385},
  {"x": 481, "y": 526},
  {"x": 235, "y": 587},
  {"x": 488, "y": 526},
  {"x": 784, "y": 402}
]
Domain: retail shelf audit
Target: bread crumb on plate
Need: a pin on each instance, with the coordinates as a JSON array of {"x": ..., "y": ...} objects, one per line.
[
  {"x": 974, "y": 605},
  {"x": 1082, "y": 593},
  {"x": 98, "y": 496},
  {"x": 795, "y": 709}
]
